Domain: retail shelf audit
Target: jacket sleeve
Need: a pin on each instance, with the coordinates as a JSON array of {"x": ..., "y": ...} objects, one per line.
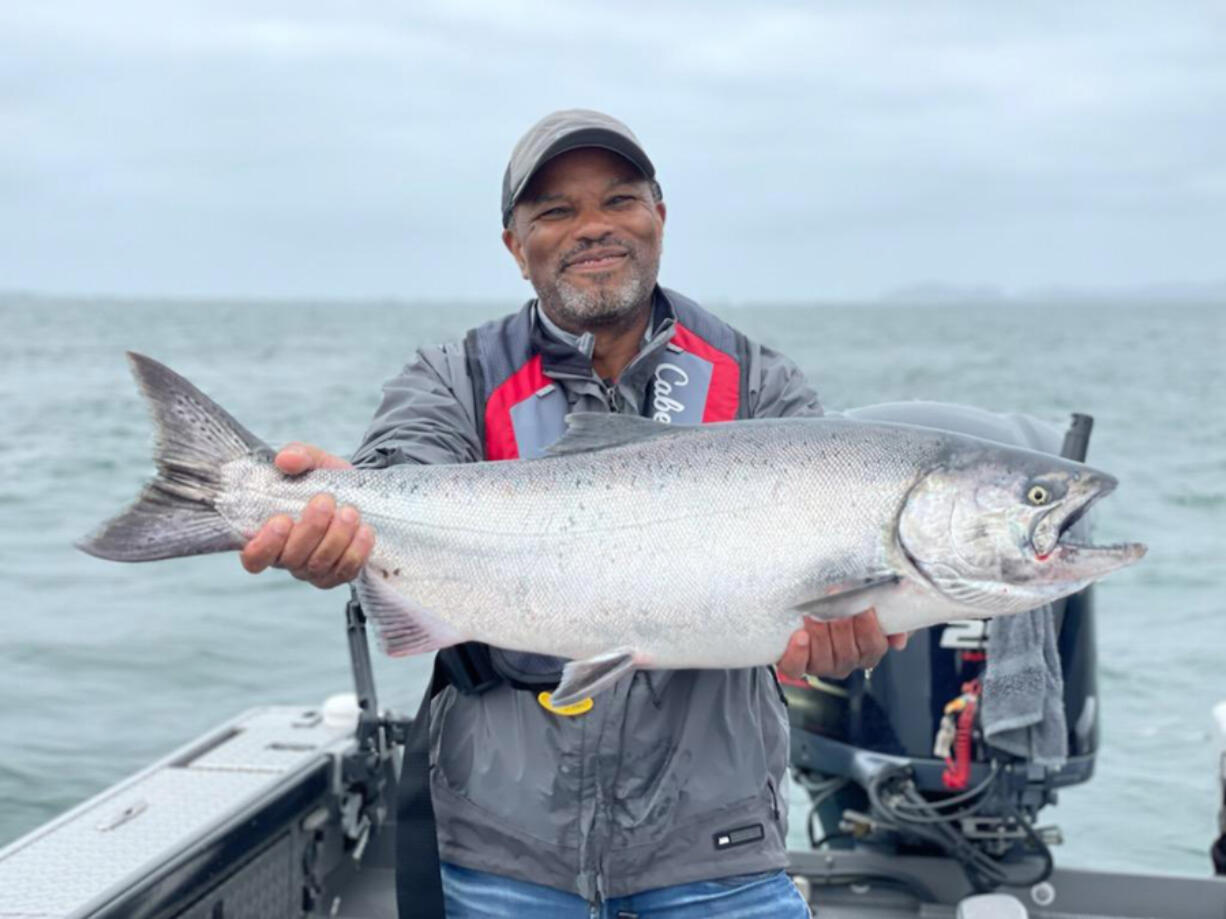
[
  {"x": 778, "y": 389},
  {"x": 427, "y": 414}
]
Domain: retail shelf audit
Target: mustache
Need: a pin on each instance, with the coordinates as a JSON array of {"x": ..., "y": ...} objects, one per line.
[{"x": 608, "y": 242}]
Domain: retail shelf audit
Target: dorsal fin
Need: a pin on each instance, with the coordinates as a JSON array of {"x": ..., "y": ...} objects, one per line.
[{"x": 587, "y": 431}]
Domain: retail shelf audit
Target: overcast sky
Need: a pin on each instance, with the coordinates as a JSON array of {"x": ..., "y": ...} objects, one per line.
[{"x": 807, "y": 151}]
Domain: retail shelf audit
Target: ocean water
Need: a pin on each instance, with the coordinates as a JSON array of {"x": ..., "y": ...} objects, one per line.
[{"x": 104, "y": 667}]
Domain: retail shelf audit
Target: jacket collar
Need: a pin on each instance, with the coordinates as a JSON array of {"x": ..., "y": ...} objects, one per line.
[{"x": 564, "y": 354}]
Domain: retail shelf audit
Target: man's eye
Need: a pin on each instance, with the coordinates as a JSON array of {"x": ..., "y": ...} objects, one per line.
[
  {"x": 553, "y": 213},
  {"x": 619, "y": 199}
]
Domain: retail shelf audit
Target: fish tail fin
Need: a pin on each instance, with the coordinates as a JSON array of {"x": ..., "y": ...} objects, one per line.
[{"x": 176, "y": 513}]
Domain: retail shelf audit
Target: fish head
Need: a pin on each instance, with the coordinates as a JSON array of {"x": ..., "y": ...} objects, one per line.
[{"x": 997, "y": 529}]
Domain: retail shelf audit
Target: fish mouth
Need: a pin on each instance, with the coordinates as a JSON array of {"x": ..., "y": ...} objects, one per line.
[{"x": 1052, "y": 538}]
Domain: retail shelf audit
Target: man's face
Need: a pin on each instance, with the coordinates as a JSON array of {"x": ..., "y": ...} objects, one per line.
[{"x": 587, "y": 234}]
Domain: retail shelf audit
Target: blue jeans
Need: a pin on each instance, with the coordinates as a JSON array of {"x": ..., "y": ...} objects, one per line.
[{"x": 479, "y": 895}]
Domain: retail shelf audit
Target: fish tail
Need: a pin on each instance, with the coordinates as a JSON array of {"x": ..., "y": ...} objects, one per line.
[{"x": 176, "y": 513}]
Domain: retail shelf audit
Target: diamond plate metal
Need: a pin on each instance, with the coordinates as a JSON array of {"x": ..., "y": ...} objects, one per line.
[
  {"x": 270, "y": 742},
  {"x": 79, "y": 861},
  {"x": 128, "y": 830}
]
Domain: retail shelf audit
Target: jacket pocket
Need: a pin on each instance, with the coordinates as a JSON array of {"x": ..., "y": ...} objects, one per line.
[{"x": 504, "y": 754}]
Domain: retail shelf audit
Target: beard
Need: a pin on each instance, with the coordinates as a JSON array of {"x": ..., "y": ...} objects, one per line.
[{"x": 603, "y": 302}]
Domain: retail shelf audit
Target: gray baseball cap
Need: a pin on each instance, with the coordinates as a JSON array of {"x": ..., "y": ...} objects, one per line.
[{"x": 561, "y": 131}]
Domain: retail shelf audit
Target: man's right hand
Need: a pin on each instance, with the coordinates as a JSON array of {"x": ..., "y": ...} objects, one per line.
[{"x": 327, "y": 546}]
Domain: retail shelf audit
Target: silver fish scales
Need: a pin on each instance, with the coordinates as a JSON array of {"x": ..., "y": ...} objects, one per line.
[{"x": 638, "y": 544}]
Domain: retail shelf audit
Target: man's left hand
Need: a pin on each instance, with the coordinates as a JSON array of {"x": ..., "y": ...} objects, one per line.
[{"x": 836, "y": 648}]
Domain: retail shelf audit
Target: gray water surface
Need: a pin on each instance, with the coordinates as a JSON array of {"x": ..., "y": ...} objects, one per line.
[{"x": 104, "y": 667}]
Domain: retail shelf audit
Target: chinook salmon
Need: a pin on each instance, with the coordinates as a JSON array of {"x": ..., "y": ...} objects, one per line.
[{"x": 636, "y": 544}]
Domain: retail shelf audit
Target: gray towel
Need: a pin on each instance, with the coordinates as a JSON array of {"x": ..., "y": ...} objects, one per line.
[{"x": 1023, "y": 692}]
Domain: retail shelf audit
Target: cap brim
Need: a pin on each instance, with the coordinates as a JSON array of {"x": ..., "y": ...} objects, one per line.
[{"x": 601, "y": 138}]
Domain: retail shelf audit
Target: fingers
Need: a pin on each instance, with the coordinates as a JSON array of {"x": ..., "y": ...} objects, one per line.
[
  {"x": 314, "y": 547},
  {"x": 899, "y": 640},
  {"x": 326, "y": 546},
  {"x": 265, "y": 547},
  {"x": 843, "y": 655},
  {"x": 352, "y": 559},
  {"x": 298, "y": 458},
  {"x": 795, "y": 660},
  {"x": 821, "y": 648},
  {"x": 870, "y": 641},
  {"x": 336, "y": 540},
  {"x": 839, "y": 646},
  {"x": 307, "y": 534}
]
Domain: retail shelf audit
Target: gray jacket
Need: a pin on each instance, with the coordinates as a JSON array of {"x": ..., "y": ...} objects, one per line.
[{"x": 672, "y": 776}]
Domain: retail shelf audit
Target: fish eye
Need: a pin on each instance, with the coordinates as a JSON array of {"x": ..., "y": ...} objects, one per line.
[{"x": 1038, "y": 495}]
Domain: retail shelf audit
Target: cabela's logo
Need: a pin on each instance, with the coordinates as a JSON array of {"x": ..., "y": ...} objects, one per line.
[{"x": 669, "y": 377}]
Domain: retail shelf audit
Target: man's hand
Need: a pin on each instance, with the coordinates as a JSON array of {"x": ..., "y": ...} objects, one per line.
[
  {"x": 326, "y": 546},
  {"x": 836, "y": 648}
]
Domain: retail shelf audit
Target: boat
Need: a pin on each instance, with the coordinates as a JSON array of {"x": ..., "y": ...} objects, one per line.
[{"x": 289, "y": 811}]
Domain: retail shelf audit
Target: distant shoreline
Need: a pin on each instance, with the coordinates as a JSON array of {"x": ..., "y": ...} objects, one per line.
[{"x": 1210, "y": 297}]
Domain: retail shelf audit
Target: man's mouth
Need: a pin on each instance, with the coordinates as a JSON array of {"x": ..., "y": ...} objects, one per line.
[{"x": 595, "y": 260}]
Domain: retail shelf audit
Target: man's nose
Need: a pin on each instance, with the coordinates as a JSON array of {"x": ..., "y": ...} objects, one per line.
[{"x": 593, "y": 224}]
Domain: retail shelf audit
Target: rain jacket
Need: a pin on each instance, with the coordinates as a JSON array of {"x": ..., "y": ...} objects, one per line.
[{"x": 672, "y": 776}]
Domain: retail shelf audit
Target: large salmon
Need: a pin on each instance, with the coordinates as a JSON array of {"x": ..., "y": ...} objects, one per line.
[{"x": 640, "y": 544}]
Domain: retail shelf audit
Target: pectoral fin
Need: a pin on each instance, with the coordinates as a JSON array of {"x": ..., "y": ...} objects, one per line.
[
  {"x": 581, "y": 679},
  {"x": 837, "y": 601}
]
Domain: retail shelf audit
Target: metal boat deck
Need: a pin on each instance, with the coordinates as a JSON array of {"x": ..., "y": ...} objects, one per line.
[{"x": 267, "y": 816}]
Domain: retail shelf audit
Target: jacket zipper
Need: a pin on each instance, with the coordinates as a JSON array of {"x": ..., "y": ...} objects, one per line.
[{"x": 660, "y": 339}]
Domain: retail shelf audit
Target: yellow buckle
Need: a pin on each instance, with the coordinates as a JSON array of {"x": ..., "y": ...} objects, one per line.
[{"x": 575, "y": 708}]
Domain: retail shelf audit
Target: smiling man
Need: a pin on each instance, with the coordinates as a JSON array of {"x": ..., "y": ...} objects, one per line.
[
  {"x": 604, "y": 279},
  {"x": 666, "y": 795}
]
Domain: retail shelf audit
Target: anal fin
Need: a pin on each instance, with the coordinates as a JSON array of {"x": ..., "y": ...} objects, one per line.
[
  {"x": 402, "y": 626},
  {"x": 581, "y": 679}
]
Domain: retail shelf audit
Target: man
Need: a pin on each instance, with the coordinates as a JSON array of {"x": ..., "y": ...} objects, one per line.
[{"x": 665, "y": 795}]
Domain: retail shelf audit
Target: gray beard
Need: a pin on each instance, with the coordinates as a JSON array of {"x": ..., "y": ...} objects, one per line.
[
  {"x": 602, "y": 306},
  {"x": 579, "y": 308}
]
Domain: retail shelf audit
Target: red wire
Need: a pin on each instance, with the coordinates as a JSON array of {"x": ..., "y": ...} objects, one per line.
[{"x": 957, "y": 772}]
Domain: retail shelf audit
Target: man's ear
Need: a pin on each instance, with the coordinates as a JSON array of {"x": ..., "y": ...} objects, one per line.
[
  {"x": 661, "y": 210},
  {"x": 511, "y": 241}
]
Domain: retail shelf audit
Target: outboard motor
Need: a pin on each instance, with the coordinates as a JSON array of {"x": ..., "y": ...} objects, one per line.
[{"x": 896, "y": 760}]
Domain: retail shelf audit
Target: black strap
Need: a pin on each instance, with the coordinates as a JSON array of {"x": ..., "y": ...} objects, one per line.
[
  {"x": 419, "y": 884},
  {"x": 469, "y": 667},
  {"x": 526, "y": 670}
]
